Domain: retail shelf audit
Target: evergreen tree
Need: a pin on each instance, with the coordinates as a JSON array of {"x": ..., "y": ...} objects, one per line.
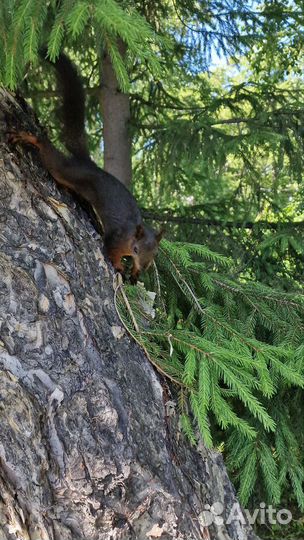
[{"x": 219, "y": 159}]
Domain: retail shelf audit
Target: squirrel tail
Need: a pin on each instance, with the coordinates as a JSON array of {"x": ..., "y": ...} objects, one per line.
[{"x": 72, "y": 112}]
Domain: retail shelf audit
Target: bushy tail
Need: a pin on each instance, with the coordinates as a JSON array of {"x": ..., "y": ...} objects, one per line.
[{"x": 72, "y": 112}]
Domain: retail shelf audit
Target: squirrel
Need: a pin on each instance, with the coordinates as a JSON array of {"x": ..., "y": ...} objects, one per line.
[{"x": 124, "y": 231}]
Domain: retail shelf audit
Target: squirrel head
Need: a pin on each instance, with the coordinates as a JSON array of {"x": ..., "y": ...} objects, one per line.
[{"x": 145, "y": 246}]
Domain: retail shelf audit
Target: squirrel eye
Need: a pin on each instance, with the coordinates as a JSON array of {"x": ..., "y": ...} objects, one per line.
[{"x": 135, "y": 249}]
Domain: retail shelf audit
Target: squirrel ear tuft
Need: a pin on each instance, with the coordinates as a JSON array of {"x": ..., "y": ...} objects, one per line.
[
  {"x": 140, "y": 232},
  {"x": 159, "y": 235}
]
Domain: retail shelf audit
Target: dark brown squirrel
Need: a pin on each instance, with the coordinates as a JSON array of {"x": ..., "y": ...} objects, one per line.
[{"x": 116, "y": 208}]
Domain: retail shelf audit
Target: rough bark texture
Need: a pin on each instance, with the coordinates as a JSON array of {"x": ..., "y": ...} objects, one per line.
[
  {"x": 115, "y": 106},
  {"x": 87, "y": 450}
]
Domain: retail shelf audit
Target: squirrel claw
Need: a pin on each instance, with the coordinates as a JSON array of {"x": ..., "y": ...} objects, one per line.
[
  {"x": 12, "y": 137},
  {"x": 133, "y": 280}
]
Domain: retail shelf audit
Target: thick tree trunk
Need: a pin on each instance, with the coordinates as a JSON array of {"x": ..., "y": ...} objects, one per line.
[
  {"x": 87, "y": 450},
  {"x": 115, "y": 106}
]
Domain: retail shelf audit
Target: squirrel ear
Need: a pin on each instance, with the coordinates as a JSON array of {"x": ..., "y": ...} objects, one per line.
[
  {"x": 140, "y": 232},
  {"x": 159, "y": 235}
]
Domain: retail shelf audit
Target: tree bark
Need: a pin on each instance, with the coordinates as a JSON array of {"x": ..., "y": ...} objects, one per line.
[
  {"x": 115, "y": 106},
  {"x": 88, "y": 449}
]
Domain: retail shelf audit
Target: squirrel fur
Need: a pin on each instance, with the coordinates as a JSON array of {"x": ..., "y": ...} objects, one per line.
[{"x": 116, "y": 208}]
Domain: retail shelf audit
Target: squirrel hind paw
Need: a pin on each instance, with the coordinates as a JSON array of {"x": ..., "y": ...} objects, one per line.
[
  {"x": 12, "y": 136},
  {"x": 15, "y": 136}
]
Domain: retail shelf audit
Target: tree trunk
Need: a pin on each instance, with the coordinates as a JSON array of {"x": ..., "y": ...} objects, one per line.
[
  {"x": 87, "y": 448},
  {"x": 115, "y": 106}
]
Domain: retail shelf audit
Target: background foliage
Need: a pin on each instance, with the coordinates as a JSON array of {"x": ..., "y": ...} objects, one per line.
[{"x": 216, "y": 90}]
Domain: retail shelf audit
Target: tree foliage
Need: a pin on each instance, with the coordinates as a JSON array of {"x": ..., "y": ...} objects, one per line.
[
  {"x": 234, "y": 349},
  {"x": 218, "y": 158},
  {"x": 65, "y": 22}
]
